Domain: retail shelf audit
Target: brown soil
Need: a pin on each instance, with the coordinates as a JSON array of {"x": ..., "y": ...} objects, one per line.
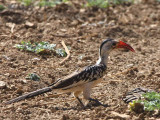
[{"x": 83, "y": 29}]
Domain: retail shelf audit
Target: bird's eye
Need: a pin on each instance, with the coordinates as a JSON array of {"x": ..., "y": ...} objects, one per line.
[{"x": 114, "y": 44}]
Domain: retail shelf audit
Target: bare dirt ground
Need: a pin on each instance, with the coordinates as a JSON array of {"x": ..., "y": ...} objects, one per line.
[{"x": 83, "y": 29}]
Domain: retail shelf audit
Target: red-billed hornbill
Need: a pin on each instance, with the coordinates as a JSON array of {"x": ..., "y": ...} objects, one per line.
[{"x": 81, "y": 80}]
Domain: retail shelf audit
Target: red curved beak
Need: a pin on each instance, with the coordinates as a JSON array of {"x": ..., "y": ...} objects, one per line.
[{"x": 124, "y": 45}]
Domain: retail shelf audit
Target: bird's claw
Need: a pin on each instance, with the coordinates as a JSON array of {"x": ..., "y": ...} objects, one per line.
[{"x": 94, "y": 102}]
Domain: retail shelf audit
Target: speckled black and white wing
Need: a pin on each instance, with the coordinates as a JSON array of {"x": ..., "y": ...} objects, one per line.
[
  {"x": 135, "y": 94},
  {"x": 79, "y": 77}
]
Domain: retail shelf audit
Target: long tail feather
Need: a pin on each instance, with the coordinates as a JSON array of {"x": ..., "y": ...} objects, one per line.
[{"x": 29, "y": 95}]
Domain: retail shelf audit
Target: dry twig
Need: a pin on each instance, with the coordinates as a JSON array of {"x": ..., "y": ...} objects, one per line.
[
  {"x": 12, "y": 28},
  {"x": 67, "y": 51}
]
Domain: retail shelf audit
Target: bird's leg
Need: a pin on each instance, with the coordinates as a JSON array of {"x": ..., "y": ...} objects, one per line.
[
  {"x": 76, "y": 94},
  {"x": 80, "y": 102},
  {"x": 96, "y": 101},
  {"x": 86, "y": 95}
]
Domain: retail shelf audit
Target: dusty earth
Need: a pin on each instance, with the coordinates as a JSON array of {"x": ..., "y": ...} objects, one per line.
[{"x": 83, "y": 29}]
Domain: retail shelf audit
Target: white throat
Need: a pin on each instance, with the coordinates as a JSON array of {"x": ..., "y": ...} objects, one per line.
[{"x": 102, "y": 59}]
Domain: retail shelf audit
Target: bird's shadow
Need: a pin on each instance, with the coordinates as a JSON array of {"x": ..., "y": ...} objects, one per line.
[{"x": 79, "y": 107}]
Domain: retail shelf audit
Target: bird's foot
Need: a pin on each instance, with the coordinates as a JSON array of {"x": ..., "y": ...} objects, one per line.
[
  {"x": 95, "y": 102},
  {"x": 92, "y": 103},
  {"x": 81, "y": 103}
]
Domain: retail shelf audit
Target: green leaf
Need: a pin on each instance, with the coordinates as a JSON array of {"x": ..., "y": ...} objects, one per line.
[
  {"x": 27, "y": 2},
  {"x": 39, "y": 50},
  {"x": 151, "y": 101},
  {"x": 41, "y": 47},
  {"x": 33, "y": 76},
  {"x": 2, "y": 7},
  {"x": 52, "y": 3},
  {"x": 105, "y": 3},
  {"x": 61, "y": 52}
]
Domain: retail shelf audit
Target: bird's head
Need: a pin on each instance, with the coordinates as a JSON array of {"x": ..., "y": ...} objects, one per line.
[{"x": 109, "y": 44}]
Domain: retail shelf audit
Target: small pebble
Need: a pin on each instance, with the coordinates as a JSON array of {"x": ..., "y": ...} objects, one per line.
[{"x": 2, "y": 84}]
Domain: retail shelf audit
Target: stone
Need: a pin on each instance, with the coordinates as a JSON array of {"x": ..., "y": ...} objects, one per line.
[
  {"x": 2, "y": 84},
  {"x": 122, "y": 116}
]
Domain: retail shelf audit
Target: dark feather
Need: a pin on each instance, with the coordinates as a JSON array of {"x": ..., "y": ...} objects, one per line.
[
  {"x": 29, "y": 95},
  {"x": 82, "y": 76},
  {"x": 135, "y": 94}
]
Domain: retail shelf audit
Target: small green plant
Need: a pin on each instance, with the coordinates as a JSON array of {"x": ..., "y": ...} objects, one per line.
[
  {"x": 50, "y": 3},
  {"x": 36, "y": 47},
  {"x": 150, "y": 102},
  {"x": 105, "y": 3},
  {"x": 40, "y": 48},
  {"x": 26, "y": 2},
  {"x": 97, "y": 3},
  {"x": 121, "y": 1},
  {"x": 2, "y": 7},
  {"x": 61, "y": 52},
  {"x": 42, "y": 3},
  {"x": 33, "y": 76}
]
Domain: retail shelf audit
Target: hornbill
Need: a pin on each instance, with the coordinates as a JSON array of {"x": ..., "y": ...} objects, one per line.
[{"x": 84, "y": 79}]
